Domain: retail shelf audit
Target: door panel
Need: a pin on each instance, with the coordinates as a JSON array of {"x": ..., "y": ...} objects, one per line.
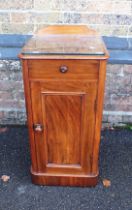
[
  {"x": 63, "y": 123},
  {"x": 67, "y": 114}
]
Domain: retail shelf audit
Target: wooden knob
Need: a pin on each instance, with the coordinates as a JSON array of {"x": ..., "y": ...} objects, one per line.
[
  {"x": 38, "y": 127},
  {"x": 63, "y": 69}
]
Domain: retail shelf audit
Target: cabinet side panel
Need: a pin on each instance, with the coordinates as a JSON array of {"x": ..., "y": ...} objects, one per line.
[
  {"x": 99, "y": 111},
  {"x": 29, "y": 114}
]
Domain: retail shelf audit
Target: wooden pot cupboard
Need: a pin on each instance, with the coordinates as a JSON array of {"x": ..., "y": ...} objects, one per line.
[{"x": 64, "y": 71}]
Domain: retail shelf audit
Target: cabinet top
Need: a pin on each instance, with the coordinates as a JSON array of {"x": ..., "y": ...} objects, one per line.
[{"x": 65, "y": 41}]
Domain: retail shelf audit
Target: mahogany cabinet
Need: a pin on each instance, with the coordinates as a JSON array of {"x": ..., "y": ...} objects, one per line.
[{"x": 64, "y": 74}]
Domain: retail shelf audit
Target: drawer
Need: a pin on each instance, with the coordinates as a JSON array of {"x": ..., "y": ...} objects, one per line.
[{"x": 63, "y": 69}]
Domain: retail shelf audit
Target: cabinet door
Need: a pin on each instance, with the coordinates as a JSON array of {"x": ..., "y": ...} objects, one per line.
[{"x": 65, "y": 114}]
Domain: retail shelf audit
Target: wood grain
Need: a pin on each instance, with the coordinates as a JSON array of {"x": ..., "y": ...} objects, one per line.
[
  {"x": 67, "y": 29},
  {"x": 29, "y": 115},
  {"x": 76, "y": 69},
  {"x": 99, "y": 112},
  {"x": 63, "y": 110},
  {"x": 64, "y": 180},
  {"x": 68, "y": 107}
]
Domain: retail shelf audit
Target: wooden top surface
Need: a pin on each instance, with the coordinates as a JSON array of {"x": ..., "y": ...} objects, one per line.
[
  {"x": 65, "y": 42},
  {"x": 67, "y": 29}
]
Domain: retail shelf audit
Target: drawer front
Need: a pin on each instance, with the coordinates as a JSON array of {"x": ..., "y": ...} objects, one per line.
[{"x": 62, "y": 69}]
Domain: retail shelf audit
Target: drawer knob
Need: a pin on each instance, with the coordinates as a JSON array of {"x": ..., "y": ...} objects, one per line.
[
  {"x": 38, "y": 127},
  {"x": 63, "y": 69}
]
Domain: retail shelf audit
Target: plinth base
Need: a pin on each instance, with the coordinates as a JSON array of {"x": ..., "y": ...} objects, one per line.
[{"x": 64, "y": 179}]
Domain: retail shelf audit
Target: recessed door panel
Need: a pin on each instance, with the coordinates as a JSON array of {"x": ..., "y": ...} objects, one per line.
[{"x": 63, "y": 114}]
